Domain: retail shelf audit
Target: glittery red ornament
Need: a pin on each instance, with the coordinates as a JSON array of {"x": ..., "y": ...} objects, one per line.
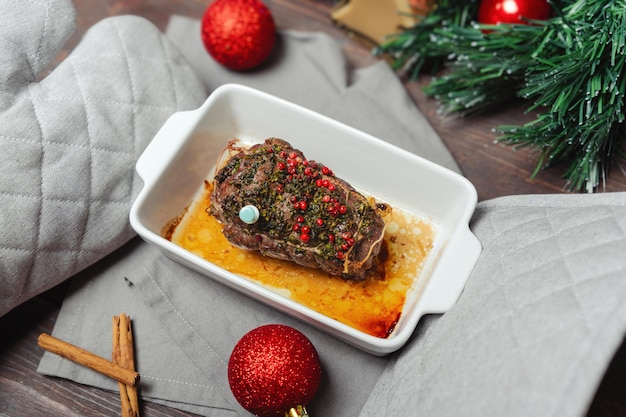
[
  {"x": 273, "y": 369},
  {"x": 239, "y": 34},
  {"x": 492, "y": 12}
]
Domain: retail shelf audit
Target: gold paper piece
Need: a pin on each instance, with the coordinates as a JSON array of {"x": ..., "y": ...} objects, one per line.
[{"x": 377, "y": 19}]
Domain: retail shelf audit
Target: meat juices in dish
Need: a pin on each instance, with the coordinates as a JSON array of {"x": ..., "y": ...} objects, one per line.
[
  {"x": 372, "y": 305},
  {"x": 305, "y": 213}
]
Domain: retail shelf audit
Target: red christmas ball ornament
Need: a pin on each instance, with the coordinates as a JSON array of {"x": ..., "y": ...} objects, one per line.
[
  {"x": 491, "y": 12},
  {"x": 274, "y": 370},
  {"x": 239, "y": 34}
]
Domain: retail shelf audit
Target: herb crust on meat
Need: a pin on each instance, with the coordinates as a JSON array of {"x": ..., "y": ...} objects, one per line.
[{"x": 306, "y": 213}]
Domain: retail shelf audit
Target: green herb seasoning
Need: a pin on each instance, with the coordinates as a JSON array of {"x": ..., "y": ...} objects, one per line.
[{"x": 300, "y": 201}]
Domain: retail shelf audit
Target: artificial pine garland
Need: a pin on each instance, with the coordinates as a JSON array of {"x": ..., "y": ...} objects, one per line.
[{"x": 570, "y": 67}]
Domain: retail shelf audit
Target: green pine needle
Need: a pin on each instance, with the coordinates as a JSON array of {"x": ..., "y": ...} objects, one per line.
[
  {"x": 580, "y": 87},
  {"x": 571, "y": 68},
  {"x": 412, "y": 50},
  {"x": 486, "y": 69}
]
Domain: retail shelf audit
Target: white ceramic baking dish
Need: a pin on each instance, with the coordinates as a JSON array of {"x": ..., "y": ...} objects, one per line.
[{"x": 183, "y": 154}]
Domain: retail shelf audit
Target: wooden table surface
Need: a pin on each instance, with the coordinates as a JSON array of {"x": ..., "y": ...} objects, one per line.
[{"x": 496, "y": 170}]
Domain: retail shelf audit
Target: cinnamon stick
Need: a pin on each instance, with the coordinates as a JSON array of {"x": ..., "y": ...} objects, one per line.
[
  {"x": 88, "y": 359},
  {"x": 123, "y": 355}
]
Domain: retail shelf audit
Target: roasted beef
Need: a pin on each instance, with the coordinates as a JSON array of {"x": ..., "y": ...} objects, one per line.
[{"x": 306, "y": 213}]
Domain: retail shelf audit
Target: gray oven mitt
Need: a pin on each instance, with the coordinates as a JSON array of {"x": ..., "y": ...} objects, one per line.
[
  {"x": 70, "y": 142},
  {"x": 541, "y": 317}
]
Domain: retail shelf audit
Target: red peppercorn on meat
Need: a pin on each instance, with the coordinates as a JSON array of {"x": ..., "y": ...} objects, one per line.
[{"x": 306, "y": 214}]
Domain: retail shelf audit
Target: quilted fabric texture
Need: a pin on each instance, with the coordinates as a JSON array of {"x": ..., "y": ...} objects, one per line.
[
  {"x": 69, "y": 143},
  {"x": 541, "y": 316}
]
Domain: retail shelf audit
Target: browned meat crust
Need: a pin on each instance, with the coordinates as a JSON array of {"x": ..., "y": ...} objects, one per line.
[{"x": 307, "y": 214}]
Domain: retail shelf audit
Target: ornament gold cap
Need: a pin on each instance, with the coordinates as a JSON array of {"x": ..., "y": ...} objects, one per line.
[{"x": 297, "y": 411}]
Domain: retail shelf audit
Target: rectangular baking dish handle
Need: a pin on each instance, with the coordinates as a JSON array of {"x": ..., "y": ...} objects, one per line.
[
  {"x": 454, "y": 268},
  {"x": 165, "y": 145}
]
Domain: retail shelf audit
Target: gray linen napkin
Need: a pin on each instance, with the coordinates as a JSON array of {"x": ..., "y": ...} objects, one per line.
[
  {"x": 185, "y": 328},
  {"x": 185, "y": 324}
]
